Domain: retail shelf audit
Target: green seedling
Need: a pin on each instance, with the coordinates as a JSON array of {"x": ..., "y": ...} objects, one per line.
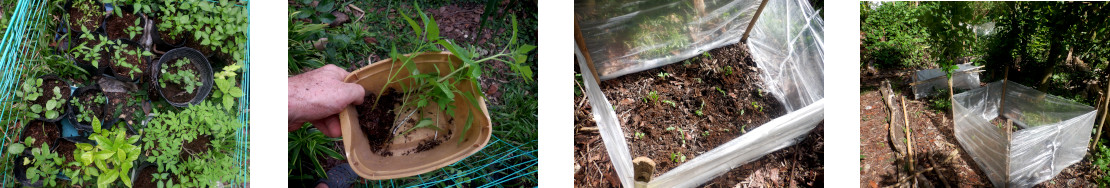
[
  {"x": 663, "y": 75},
  {"x": 110, "y": 159},
  {"x": 702, "y": 106},
  {"x": 31, "y": 91},
  {"x": 123, "y": 50},
  {"x": 653, "y": 97},
  {"x": 670, "y": 102},
  {"x": 45, "y": 164},
  {"x": 744, "y": 129},
  {"x": 678, "y": 157},
  {"x": 756, "y": 106},
  {"x": 705, "y": 134},
  {"x": 175, "y": 72},
  {"x": 720, "y": 90},
  {"x": 134, "y": 30},
  {"x": 639, "y": 135},
  {"x": 727, "y": 70}
]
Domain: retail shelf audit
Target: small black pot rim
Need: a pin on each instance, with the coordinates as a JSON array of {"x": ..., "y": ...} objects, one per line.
[
  {"x": 53, "y": 143},
  {"x": 104, "y": 21},
  {"x": 105, "y": 123},
  {"x": 68, "y": 5}
]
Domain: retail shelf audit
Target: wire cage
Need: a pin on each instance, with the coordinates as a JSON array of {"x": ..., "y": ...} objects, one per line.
[
  {"x": 499, "y": 164},
  {"x": 18, "y": 50}
]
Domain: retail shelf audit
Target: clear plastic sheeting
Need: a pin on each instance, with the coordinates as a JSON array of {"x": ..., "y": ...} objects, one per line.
[
  {"x": 787, "y": 43},
  {"x": 963, "y": 78},
  {"x": 607, "y": 125},
  {"x": 1053, "y": 132},
  {"x": 628, "y": 36},
  {"x": 769, "y": 137}
]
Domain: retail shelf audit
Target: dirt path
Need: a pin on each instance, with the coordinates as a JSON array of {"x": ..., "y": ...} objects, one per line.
[{"x": 935, "y": 145}]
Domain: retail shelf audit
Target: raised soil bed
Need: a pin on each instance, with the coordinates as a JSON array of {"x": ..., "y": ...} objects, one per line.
[{"x": 712, "y": 100}]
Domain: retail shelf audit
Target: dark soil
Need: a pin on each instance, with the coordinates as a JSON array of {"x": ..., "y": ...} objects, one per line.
[
  {"x": 935, "y": 145},
  {"x": 65, "y": 150},
  {"x": 377, "y": 120},
  {"x": 196, "y": 147},
  {"x": 134, "y": 60},
  {"x": 116, "y": 26},
  {"x": 42, "y": 132},
  {"x": 146, "y": 177},
  {"x": 176, "y": 92},
  {"x": 91, "y": 19},
  {"x": 726, "y": 114},
  {"x": 125, "y": 107}
]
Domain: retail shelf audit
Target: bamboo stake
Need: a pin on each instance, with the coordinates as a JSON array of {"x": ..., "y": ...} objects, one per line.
[
  {"x": 1105, "y": 114},
  {"x": 1009, "y": 139},
  {"x": 909, "y": 136},
  {"x": 752, "y": 24}
]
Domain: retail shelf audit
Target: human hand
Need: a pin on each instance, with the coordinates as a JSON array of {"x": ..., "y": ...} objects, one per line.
[{"x": 318, "y": 96}]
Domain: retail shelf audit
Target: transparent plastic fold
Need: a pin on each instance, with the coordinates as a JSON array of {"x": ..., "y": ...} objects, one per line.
[
  {"x": 607, "y": 125},
  {"x": 962, "y": 79},
  {"x": 769, "y": 137},
  {"x": 1052, "y": 132},
  {"x": 787, "y": 44},
  {"x": 628, "y": 36}
]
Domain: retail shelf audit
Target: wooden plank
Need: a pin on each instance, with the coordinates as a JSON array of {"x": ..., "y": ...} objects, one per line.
[
  {"x": 578, "y": 38},
  {"x": 752, "y": 24}
]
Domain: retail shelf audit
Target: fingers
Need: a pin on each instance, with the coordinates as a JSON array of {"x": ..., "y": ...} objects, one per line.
[
  {"x": 331, "y": 71},
  {"x": 294, "y": 126},
  {"x": 353, "y": 93},
  {"x": 329, "y": 126}
]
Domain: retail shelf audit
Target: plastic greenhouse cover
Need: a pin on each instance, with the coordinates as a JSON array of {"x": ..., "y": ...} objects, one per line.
[
  {"x": 961, "y": 80},
  {"x": 1054, "y": 132},
  {"x": 787, "y": 43},
  {"x": 607, "y": 125},
  {"x": 628, "y": 36}
]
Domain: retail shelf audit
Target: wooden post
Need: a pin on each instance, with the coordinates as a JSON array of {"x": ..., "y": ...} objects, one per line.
[
  {"x": 754, "y": 18},
  {"x": 1009, "y": 140},
  {"x": 581, "y": 41},
  {"x": 909, "y": 137},
  {"x": 1105, "y": 114},
  {"x": 1002, "y": 100}
]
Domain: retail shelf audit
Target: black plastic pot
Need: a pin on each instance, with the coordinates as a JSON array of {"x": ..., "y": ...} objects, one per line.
[
  {"x": 65, "y": 102},
  {"x": 74, "y": 40},
  {"x": 112, "y": 16},
  {"x": 162, "y": 45},
  {"x": 65, "y": 16},
  {"x": 52, "y": 143},
  {"x": 122, "y": 77},
  {"x": 105, "y": 123},
  {"x": 20, "y": 171},
  {"x": 198, "y": 60}
]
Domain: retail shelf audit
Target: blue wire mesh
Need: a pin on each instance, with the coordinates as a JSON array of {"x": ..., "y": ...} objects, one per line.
[
  {"x": 497, "y": 164},
  {"x": 16, "y": 51}
]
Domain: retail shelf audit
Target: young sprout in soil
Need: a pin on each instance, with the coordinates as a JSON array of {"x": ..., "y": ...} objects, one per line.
[
  {"x": 698, "y": 80},
  {"x": 706, "y": 55},
  {"x": 89, "y": 52},
  {"x": 670, "y": 102},
  {"x": 705, "y": 134},
  {"x": 756, "y": 106},
  {"x": 639, "y": 135},
  {"x": 663, "y": 75},
  {"x": 678, "y": 157},
  {"x": 670, "y": 128},
  {"x": 720, "y": 90},
  {"x": 759, "y": 91},
  {"x": 653, "y": 97},
  {"x": 45, "y": 166},
  {"x": 698, "y": 112},
  {"x": 727, "y": 70},
  {"x": 744, "y": 129},
  {"x": 186, "y": 78}
]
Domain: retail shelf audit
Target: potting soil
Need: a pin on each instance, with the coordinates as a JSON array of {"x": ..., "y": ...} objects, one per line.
[
  {"x": 377, "y": 119},
  {"x": 42, "y": 132},
  {"x": 116, "y": 26}
]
